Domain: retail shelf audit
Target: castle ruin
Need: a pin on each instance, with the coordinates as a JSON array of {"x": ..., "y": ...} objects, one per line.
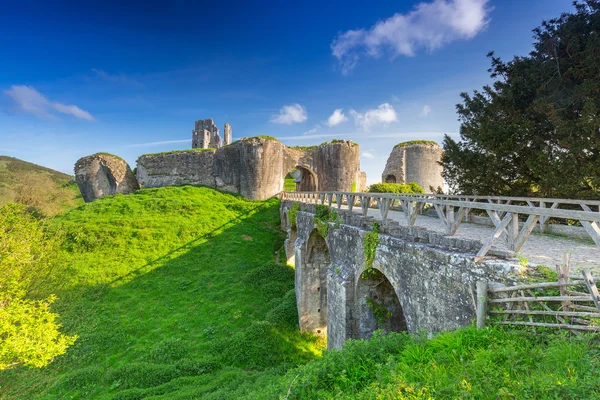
[{"x": 206, "y": 135}]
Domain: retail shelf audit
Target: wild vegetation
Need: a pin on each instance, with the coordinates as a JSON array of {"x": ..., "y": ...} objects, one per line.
[
  {"x": 173, "y": 291},
  {"x": 177, "y": 293},
  {"x": 411, "y": 187},
  {"x": 43, "y": 191},
  {"x": 534, "y": 131}
]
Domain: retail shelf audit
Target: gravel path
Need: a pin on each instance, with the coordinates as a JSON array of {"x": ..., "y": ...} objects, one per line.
[{"x": 539, "y": 249}]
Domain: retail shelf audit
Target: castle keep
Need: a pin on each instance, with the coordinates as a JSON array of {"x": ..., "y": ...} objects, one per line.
[{"x": 206, "y": 135}]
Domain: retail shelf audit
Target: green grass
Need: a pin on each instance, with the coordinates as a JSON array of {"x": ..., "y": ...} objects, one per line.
[
  {"x": 494, "y": 363},
  {"x": 289, "y": 185},
  {"x": 176, "y": 288},
  {"x": 46, "y": 191},
  {"x": 413, "y": 142},
  {"x": 176, "y": 293},
  {"x": 196, "y": 150}
]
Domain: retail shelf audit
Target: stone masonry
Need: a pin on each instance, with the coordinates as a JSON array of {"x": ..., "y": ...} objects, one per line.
[
  {"x": 416, "y": 161},
  {"x": 205, "y": 135},
  {"x": 423, "y": 280},
  {"x": 102, "y": 174},
  {"x": 256, "y": 167}
]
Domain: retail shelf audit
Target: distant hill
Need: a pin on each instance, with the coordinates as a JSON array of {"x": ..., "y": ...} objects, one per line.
[{"x": 44, "y": 190}]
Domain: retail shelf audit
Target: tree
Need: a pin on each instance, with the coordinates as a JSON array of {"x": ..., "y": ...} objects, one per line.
[
  {"x": 29, "y": 332},
  {"x": 536, "y": 130}
]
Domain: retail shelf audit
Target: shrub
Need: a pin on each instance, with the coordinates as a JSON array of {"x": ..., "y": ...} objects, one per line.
[
  {"x": 411, "y": 187},
  {"x": 292, "y": 213}
]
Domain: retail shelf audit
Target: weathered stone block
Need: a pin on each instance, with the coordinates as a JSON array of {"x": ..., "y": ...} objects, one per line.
[{"x": 102, "y": 175}]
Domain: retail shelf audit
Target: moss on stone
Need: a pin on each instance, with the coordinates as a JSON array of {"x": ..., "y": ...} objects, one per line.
[
  {"x": 262, "y": 137},
  {"x": 102, "y": 153},
  {"x": 334, "y": 141},
  {"x": 197, "y": 150},
  {"x": 416, "y": 142}
]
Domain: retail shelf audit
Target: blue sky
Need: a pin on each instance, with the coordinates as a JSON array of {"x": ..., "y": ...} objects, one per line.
[{"x": 82, "y": 77}]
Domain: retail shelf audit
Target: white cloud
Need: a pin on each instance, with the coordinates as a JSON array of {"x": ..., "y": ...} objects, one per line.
[
  {"x": 151, "y": 144},
  {"x": 366, "y": 154},
  {"x": 384, "y": 114},
  {"x": 428, "y": 25},
  {"x": 425, "y": 111},
  {"x": 290, "y": 114},
  {"x": 313, "y": 130},
  {"x": 119, "y": 78},
  {"x": 29, "y": 100},
  {"x": 336, "y": 118}
]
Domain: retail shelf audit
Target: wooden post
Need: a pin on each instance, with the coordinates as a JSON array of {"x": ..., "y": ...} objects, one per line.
[
  {"x": 481, "y": 303},
  {"x": 562, "y": 270}
]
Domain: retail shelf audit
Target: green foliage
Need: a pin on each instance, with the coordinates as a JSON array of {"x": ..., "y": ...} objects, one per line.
[
  {"x": 493, "y": 363},
  {"x": 29, "y": 331},
  {"x": 413, "y": 142},
  {"x": 292, "y": 213},
  {"x": 289, "y": 185},
  {"x": 43, "y": 191},
  {"x": 323, "y": 216},
  {"x": 334, "y": 141},
  {"x": 103, "y": 153},
  {"x": 353, "y": 188},
  {"x": 174, "y": 293},
  {"x": 262, "y": 137},
  {"x": 411, "y": 187},
  {"x": 196, "y": 150},
  {"x": 370, "y": 242},
  {"x": 304, "y": 148},
  {"x": 379, "y": 311},
  {"x": 534, "y": 131}
]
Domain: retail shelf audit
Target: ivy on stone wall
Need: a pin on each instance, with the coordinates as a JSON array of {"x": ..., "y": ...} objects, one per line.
[
  {"x": 379, "y": 311},
  {"x": 292, "y": 213},
  {"x": 323, "y": 216},
  {"x": 370, "y": 242}
]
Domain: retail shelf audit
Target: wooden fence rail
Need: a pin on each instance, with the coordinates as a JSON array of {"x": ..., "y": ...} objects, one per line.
[
  {"x": 511, "y": 302},
  {"x": 504, "y": 212}
]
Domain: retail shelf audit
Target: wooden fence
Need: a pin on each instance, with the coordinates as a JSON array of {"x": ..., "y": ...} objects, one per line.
[
  {"x": 564, "y": 304},
  {"x": 504, "y": 212}
]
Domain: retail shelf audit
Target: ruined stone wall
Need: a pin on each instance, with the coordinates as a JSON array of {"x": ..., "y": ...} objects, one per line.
[
  {"x": 255, "y": 167},
  {"x": 433, "y": 282},
  {"x": 102, "y": 175},
  {"x": 418, "y": 162},
  {"x": 176, "y": 168}
]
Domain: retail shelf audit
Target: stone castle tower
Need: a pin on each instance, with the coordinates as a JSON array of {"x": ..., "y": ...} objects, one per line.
[{"x": 206, "y": 135}]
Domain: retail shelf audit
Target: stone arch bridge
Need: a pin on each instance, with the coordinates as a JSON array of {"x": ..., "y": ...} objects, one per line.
[{"x": 423, "y": 279}]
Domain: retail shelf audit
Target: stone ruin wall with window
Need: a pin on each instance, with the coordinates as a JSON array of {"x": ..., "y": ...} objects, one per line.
[{"x": 256, "y": 167}]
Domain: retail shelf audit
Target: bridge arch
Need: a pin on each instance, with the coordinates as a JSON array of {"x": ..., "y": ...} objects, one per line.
[
  {"x": 312, "y": 274},
  {"x": 377, "y": 306}
]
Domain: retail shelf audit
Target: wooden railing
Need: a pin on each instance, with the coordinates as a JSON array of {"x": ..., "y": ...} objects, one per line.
[
  {"x": 504, "y": 212},
  {"x": 576, "y": 305}
]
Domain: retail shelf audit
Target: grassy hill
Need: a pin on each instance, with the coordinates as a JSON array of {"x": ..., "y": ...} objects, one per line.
[
  {"x": 177, "y": 288},
  {"x": 179, "y": 293},
  {"x": 44, "y": 190}
]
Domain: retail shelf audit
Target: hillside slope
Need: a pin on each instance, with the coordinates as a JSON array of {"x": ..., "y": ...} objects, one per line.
[
  {"x": 45, "y": 190},
  {"x": 175, "y": 288}
]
